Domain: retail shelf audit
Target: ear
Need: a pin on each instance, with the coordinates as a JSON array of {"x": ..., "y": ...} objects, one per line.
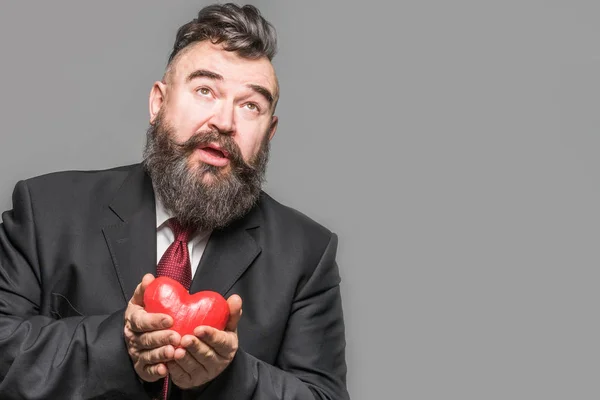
[
  {"x": 156, "y": 100},
  {"x": 273, "y": 126}
]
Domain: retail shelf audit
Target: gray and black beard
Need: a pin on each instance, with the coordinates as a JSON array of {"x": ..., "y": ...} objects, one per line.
[{"x": 228, "y": 195}]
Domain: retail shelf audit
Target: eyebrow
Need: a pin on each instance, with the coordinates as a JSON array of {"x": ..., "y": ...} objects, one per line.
[
  {"x": 204, "y": 73},
  {"x": 263, "y": 91}
]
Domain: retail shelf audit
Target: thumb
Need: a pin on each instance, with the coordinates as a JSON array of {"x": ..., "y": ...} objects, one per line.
[
  {"x": 138, "y": 295},
  {"x": 235, "y": 312}
]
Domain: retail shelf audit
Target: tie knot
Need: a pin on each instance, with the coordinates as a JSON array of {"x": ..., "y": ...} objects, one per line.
[{"x": 182, "y": 234}]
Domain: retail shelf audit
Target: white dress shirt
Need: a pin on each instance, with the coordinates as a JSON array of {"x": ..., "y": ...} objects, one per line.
[{"x": 165, "y": 236}]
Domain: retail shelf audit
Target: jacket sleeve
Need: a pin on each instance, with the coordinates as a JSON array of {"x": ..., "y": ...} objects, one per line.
[
  {"x": 311, "y": 362},
  {"x": 41, "y": 357}
]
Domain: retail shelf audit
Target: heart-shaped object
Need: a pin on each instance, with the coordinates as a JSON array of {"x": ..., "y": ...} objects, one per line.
[{"x": 167, "y": 296}]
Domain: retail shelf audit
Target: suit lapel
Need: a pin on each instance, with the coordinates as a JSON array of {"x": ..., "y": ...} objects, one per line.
[
  {"x": 228, "y": 254},
  {"x": 132, "y": 240}
]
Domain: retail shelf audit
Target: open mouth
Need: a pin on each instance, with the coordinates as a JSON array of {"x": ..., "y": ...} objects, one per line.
[
  {"x": 214, "y": 152},
  {"x": 214, "y": 155}
]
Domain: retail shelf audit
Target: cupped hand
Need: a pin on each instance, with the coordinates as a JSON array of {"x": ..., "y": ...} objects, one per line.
[
  {"x": 205, "y": 355},
  {"x": 150, "y": 343}
]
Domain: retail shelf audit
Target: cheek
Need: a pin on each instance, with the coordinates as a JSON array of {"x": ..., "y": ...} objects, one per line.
[
  {"x": 250, "y": 141},
  {"x": 187, "y": 118}
]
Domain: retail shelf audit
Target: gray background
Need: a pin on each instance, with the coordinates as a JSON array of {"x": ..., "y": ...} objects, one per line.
[{"x": 452, "y": 145}]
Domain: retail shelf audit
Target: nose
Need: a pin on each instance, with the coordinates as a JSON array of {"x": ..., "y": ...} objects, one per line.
[{"x": 222, "y": 119}]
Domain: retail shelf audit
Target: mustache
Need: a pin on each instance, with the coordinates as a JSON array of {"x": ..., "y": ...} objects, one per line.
[
  {"x": 211, "y": 137},
  {"x": 183, "y": 191}
]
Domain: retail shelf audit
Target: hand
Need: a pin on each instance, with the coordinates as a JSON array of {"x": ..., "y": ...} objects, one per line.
[
  {"x": 202, "y": 357},
  {"x": 148, "y": 342}
]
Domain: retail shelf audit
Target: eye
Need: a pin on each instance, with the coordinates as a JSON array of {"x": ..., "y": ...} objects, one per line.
[
  {"x": 252, "y": 107},
  {"x": 203, "y": 91}
]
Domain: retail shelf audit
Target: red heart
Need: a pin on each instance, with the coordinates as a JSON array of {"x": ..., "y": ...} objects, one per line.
[{"x": 167, "y": 296}]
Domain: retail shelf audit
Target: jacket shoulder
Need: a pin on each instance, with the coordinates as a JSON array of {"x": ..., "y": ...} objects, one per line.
[
  {"x": 69, "y": 183},
  {"x": 78, "y": 177},
  {"x": 75, "y": 189},
  {"x": 288, "y": 220}
]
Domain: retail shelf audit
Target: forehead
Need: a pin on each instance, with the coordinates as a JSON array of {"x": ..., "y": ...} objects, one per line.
[{"x": 234, "y": 68}]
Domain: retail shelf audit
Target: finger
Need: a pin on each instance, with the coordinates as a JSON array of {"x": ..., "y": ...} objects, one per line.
[
  {"x": 222, "y": 342},
  {"x": 130, "y": 336},
  {"x": 159, "y": 355},
  {"x": 138, "y": 295},
  {"x": 189, "y": 363},
  {"x": 179, "y": 375},
  {"x": 155, "y": 339},
  {"x": 202, "y": 352},
  {"x": 235, "y": 312},
  {"x": 142, "y": 321},
  {"x": 154, "y": 372}
]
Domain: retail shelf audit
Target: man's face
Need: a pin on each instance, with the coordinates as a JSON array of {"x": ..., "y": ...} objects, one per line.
[
  {"x": 208, "y": 89},
  {"x": 208, "y": 143}
]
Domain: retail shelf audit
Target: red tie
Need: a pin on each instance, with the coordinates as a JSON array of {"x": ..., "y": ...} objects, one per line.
[{"x": 175, "y": 263}]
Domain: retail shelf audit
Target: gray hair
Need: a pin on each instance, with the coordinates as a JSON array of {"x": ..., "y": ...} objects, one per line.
[{"x": 239, "y": 29}]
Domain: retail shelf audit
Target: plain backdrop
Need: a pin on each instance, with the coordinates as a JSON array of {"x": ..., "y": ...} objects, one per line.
[{"x": 452, "y": 145}]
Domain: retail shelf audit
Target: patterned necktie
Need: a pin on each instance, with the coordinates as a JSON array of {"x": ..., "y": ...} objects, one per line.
[{"x": 175, "y": 263}]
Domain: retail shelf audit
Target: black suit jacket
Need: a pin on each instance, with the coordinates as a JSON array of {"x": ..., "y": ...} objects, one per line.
[{"x": 75, "y": 246}]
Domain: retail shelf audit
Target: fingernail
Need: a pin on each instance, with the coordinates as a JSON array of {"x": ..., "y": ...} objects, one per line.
[{"x": 165, "y": 322}]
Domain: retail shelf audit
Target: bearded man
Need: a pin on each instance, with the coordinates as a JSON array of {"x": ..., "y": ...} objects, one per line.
[{"x": 79, "y": 249}]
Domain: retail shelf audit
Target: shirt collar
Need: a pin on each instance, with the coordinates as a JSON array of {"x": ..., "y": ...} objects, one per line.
[{"x": 162, "y": 215}]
